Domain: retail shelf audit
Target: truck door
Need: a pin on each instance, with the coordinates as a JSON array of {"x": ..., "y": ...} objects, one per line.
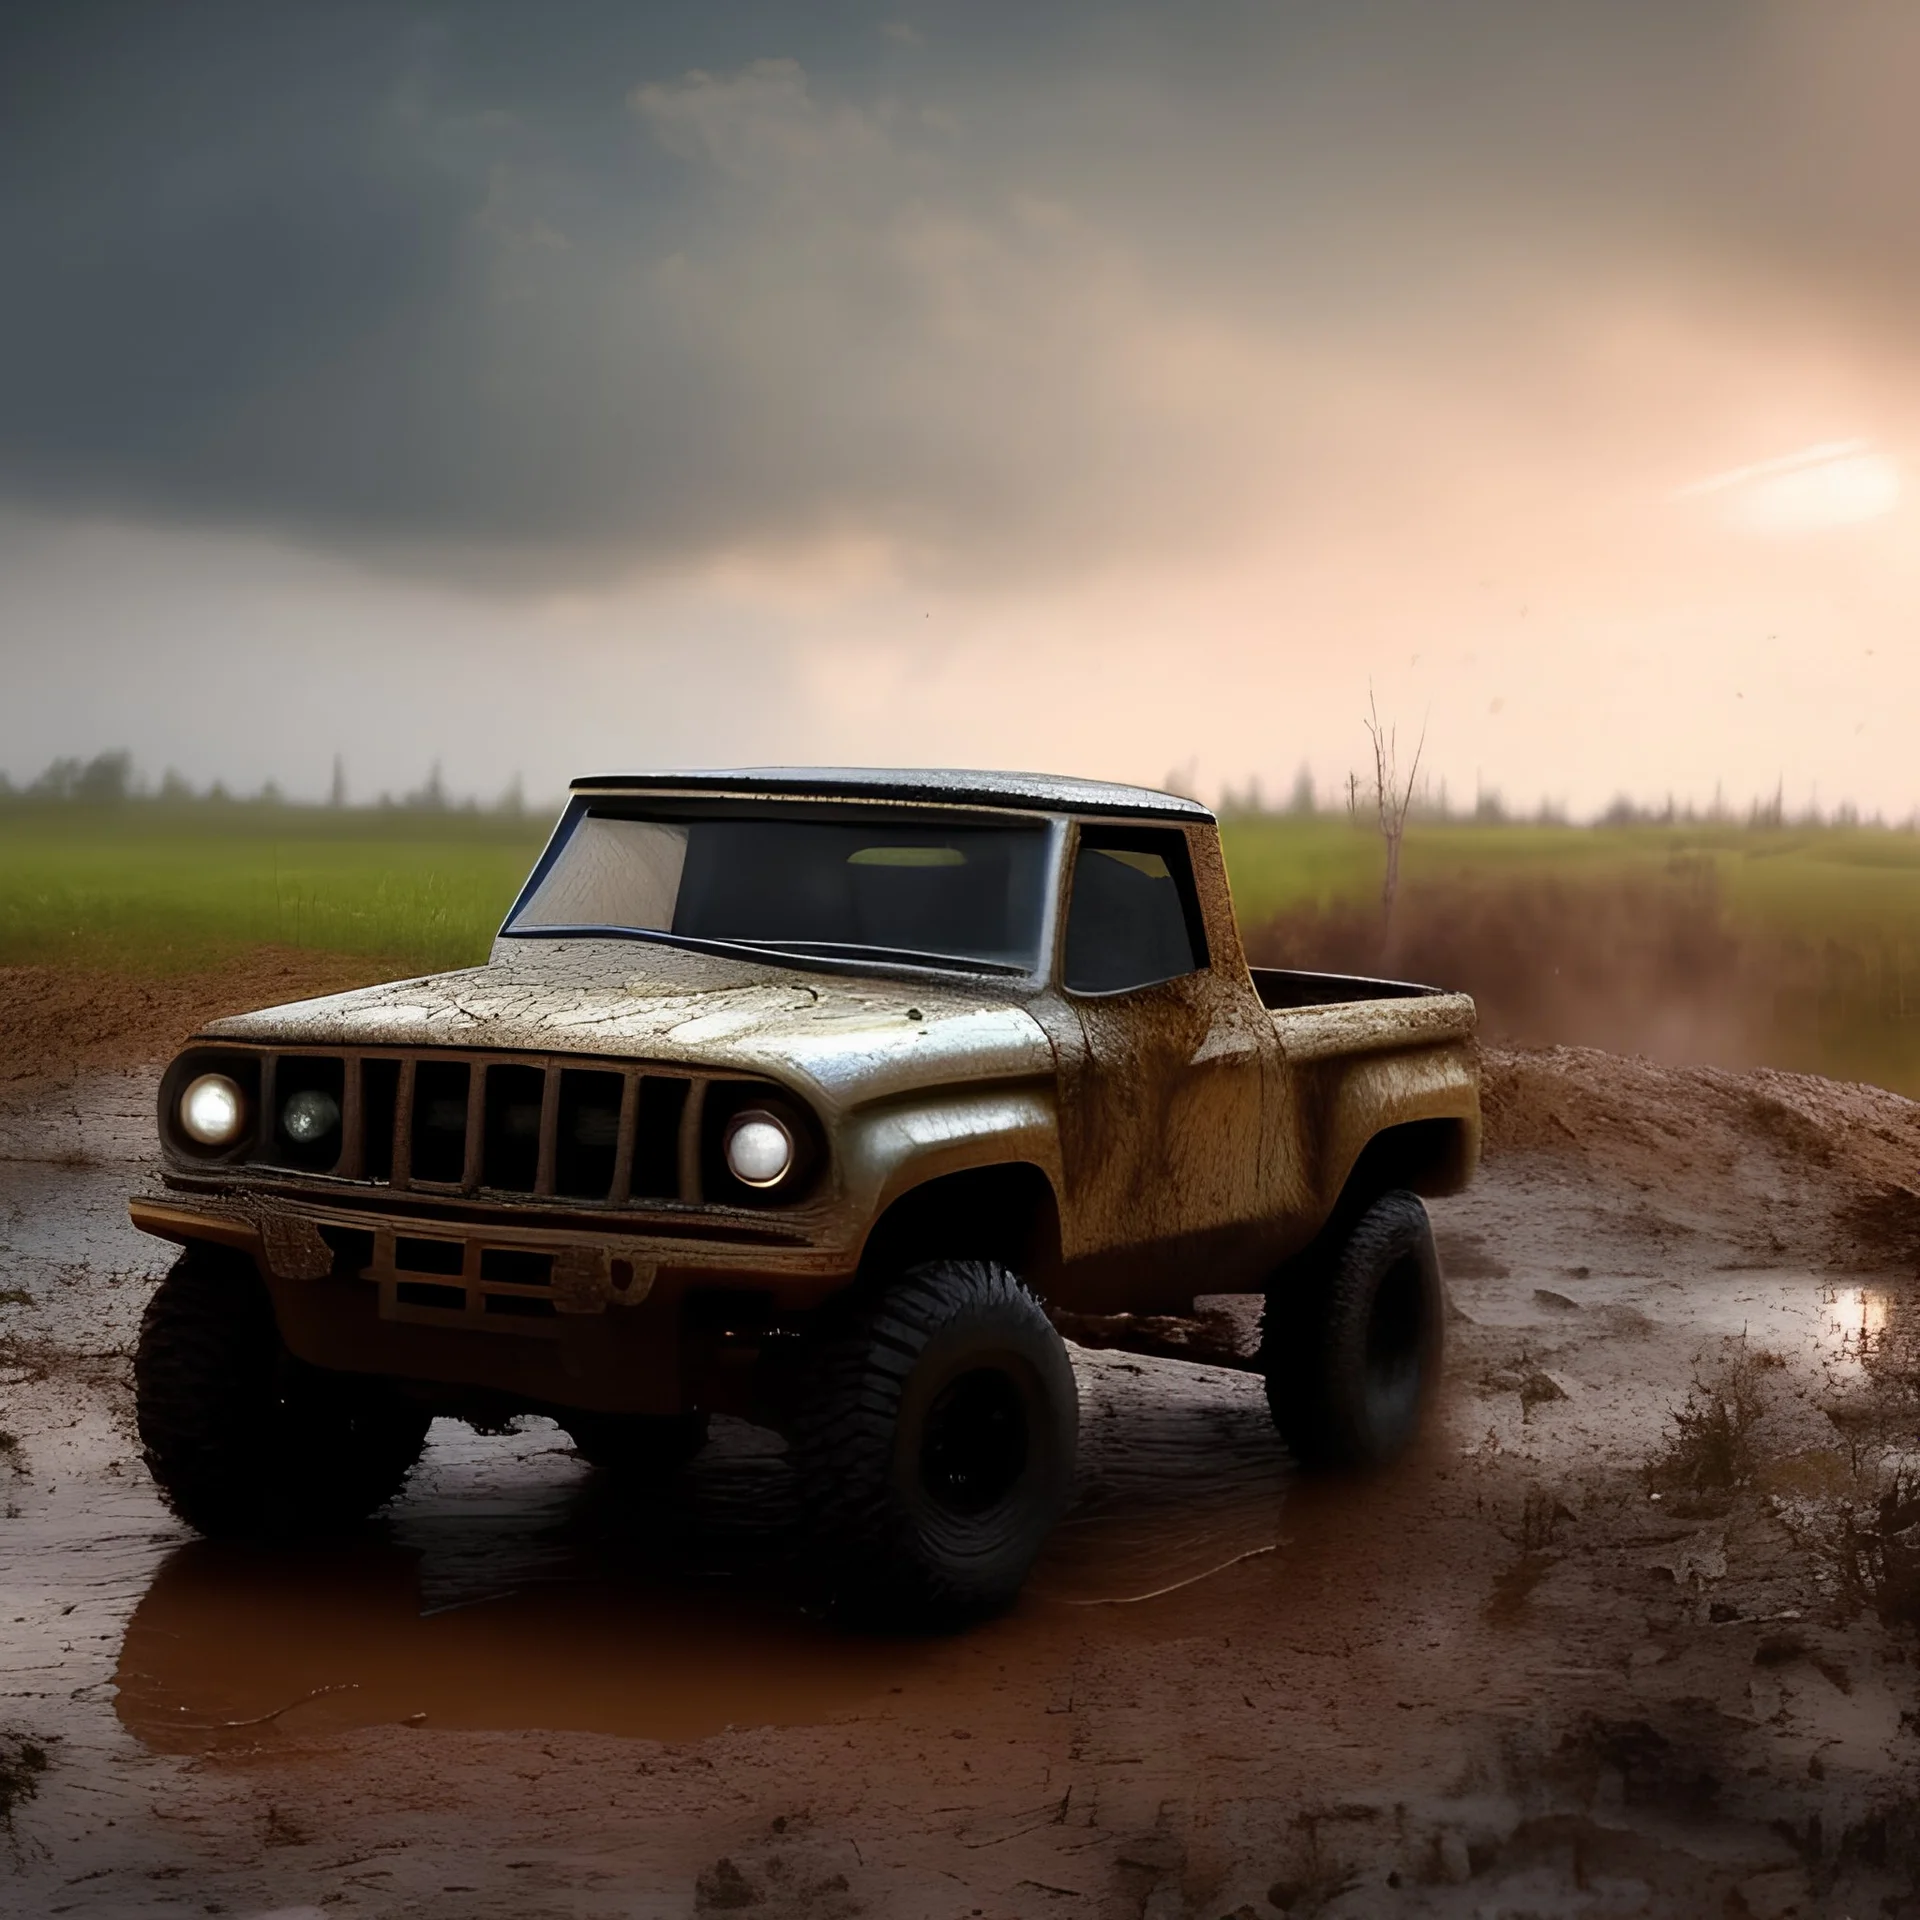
[{"x": 1161, "y": 1120}]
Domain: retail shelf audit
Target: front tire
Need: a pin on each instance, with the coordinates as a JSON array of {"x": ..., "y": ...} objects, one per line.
[
  {"x": 934, "y": 1443},
  {"x": 240, "y": 1436},
  {"x": 1354, "y": 1336}
]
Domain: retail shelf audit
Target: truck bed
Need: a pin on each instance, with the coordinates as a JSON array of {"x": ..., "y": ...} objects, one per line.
[
  {"x": 1282, "y": 988},
  {"x": 1321, "y": 1015}
]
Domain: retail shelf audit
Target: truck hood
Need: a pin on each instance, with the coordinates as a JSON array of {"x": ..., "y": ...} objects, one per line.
[{"x": 851, "y": 1040}]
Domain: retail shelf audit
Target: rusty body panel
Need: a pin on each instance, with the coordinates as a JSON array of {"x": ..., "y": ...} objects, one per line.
[{"x": 527, "y": 1196}]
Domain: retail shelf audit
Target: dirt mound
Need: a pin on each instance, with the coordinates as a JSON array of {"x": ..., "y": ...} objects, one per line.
[
  {"x": 1783, "y": 1166},
  {"x": 56, "y": 1019}
]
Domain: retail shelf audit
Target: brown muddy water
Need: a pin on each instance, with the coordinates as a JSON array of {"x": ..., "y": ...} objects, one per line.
[{"x": 1623, "y": 1639}]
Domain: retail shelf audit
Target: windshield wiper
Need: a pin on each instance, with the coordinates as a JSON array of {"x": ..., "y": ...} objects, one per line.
[
  {"x": 859, "y": 950},
  {"x": 828, "y": 950}
]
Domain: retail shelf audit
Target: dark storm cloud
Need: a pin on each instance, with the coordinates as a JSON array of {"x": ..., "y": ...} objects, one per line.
[{"x": 587, "y": 283}]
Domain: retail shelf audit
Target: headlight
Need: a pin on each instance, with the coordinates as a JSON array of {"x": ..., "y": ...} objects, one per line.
[
  {"x": 213, "y": 1110},
  {"x": 310, "y": 1115},
  {"x": 759, "y": 1148}
]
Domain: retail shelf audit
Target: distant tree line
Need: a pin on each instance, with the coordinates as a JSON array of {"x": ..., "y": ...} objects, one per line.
[
  {"x": 113, "y": 780},
  {"x": 1358, "y": 799}
]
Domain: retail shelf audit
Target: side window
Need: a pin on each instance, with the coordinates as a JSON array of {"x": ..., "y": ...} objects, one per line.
[{"x": 1134, "y": 918}]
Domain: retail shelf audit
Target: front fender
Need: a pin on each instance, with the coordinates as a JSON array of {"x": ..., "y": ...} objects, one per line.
[{"x": 890, "y": 1147}]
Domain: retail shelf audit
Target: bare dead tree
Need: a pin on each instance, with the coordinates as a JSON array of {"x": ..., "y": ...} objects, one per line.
[{"x": 1392, "y": 802}]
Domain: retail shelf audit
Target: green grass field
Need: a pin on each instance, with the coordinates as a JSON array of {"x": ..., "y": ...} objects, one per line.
[
  {"x": 163, "y": 889},
  {"x": 1818, "y": 928},
  {"x": 1846, "y": 882}
]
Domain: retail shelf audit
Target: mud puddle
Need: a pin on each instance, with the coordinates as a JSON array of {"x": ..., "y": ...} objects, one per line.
[
  {"x": 510, "y": 1588},
  {"x": 227, "y": 1649}
]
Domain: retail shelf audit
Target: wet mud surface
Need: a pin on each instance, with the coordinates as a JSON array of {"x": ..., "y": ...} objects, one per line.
[{"x": 1634, "y": 1633}]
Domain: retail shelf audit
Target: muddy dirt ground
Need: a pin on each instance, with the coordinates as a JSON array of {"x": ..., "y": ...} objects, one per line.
[{"x": 1633, "y": 1634}]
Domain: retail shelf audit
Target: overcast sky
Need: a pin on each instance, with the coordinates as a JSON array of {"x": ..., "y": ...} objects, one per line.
[{"x": 541, "y": 389}]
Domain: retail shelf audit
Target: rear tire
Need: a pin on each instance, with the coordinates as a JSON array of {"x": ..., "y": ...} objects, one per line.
[
  {"x": 636, "y": 1446},
  {"x": 1353, "y": 1339},
  {"x": 934, "y": 1444},
  {"x": 243, "y": 1438}
]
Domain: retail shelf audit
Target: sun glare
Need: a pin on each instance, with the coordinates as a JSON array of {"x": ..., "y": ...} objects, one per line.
[{"x": 1837, "y": 483}]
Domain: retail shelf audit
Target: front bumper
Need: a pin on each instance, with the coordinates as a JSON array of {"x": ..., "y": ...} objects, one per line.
[{"x": 566, "y": 1314}]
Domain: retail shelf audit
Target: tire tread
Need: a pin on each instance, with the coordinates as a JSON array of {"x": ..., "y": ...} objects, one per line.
[
  {"x": 1311, "y": 1316},
  {"x": 240, "y": 1437},
  {"x": 843, "y": 1435}
]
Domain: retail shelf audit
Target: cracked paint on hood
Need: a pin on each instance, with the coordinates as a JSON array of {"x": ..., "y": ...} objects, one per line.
[{"x": 636, "y": 1000}]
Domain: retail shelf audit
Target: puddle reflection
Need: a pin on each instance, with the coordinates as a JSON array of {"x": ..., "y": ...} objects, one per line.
[
  {"x": 511, "y": 1589},
  {"x": 1864, "y": 1328},
  {"x": 230, "y": 1645}
]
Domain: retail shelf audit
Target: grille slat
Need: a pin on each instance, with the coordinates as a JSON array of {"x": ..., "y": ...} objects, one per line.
[
  {"x": 474, "y": 1157},
  {"x": 402, "y": 1146},
  {"x": 623, "y": 1146},
  {"x": 549, "y": 1133},
  {"x": 352, "y": 1120},
  {"x": 690, "y": 1113},
  {"x": 269, "y": 1123}
]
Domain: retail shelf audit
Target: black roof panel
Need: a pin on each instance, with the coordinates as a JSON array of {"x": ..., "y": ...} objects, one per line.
[{"x": 1032, "y": 792}]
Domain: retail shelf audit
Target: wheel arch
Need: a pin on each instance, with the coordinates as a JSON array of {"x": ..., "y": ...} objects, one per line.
[
  {"x": 1376, "y": 1122},
  {"x": 1007, "y": 1211},
  {"x": 1429, "y": 1157}
]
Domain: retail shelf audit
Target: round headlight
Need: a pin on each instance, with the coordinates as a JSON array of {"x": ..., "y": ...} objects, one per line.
[
  {"x": 213, "y": 1110},
  {"x": 310, "y": 1115},
  {"x": 759, "y": 1149}
]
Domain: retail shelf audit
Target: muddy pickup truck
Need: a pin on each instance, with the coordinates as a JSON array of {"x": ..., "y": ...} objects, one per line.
[{"x": 824, "y": 1099}]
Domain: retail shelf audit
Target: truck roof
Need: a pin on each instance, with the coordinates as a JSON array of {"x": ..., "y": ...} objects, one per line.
[{"x": 943, "y": 786}]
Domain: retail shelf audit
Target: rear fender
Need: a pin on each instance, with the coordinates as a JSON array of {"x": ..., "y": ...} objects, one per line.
[{"x": 1399, "y": 1120}]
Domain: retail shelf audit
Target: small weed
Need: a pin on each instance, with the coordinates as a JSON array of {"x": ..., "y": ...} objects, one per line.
[
  {"x": 1876, "y": 1549},
  {"x": 1540, "y": 1520},
  {"x": 15, "y": 1297},
  {"x": 1712, "y": 1449},
  {"x": 22, "y": 1762},
  {"x": 1537, "y": 1536}
]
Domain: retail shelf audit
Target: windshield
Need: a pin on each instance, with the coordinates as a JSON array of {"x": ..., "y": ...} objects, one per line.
[{"x": 971, "y": 895}]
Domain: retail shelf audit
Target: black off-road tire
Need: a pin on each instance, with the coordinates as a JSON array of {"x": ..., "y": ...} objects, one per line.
[
  {"x": 934, "y": 1444},
  {"x": 1354, "y": 1335},
  {"x": 636, "y": 1446},
  {"x": 240, "y": 1436}
]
